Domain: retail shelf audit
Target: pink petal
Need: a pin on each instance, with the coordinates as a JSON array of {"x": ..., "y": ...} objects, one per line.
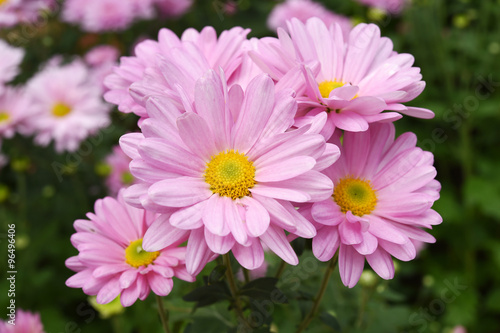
[
  {"x": 109, "y": 291},
  {"x": 250, "y": 257},
  {"x": 404, "y": 252},
  {"x": 257, "y": 218},
  {"x": 350, "y": 121},
  {"x": 255, "y": 112},
  {"x": 350, "y": 233},
  {"x": 350, "y": 265},
  {"x": 275, "y": 239},
  {"x": 327, "y": 212},
  {"x": 219, "y": 244},
  {"x": 129, "y": 143},
  {"x": 368, "y": 245},
  {"x": 197, "y": 252},
  {"x": 128, "y": 277},
  {"x": 159, "y": 285},
  {"x": 130, "y": 295},
  {"x": 285, "y": 169},
  {"x": 213, "y": 215},
  {"x": 326, "y": 243},
  {"x": 162, "y": 234},
  {"x": 235, "y": 223},
  {"x": 382, "y": 263},
  {"x": 196, "y": 134},
  {"x": 188, "y": 218},
  {"x": 385, "y": 230},
  {"x": 179, "y": 192}
]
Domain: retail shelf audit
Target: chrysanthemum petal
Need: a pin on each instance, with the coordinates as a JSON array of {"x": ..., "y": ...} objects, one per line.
[
  {"x": 275, "y": 239},
  {"x": 250, "y": 257},
  {"x": 326, "y": 243},
  {"x": 382, "y": 263},
  {"x": 219, "y": 244},
  {"x": 179, "y": 192},
  {"x": 162, "y": 234},
  {"x": 351, "y": 265}
]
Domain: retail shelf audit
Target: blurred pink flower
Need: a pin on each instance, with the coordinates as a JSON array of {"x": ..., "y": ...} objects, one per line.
[
  {"x": 392, "y": 6},
  {"x": 112, "y": 261},
  {"x": 182, "y": 61},
  {"x": 353, "y": 81},
  {"x": 101, "y": 60},
  {"x": 13, "y": 12},
  {"x": 173, "y": 8},
  {"x": 9, "y": 66},
  {"x": 459, "y": 329},
  {"x": 304, "y": 10},
  {"x": 106, "y": 15},
  {"x": 120, "y": 175},
  {"x": 383, "y": 193},
  {"x": 67, "y": 105},
  {"x": 225, "y": 159},
  {"x": 26, "y": 322},
  {"x": 15, "y": 108}
]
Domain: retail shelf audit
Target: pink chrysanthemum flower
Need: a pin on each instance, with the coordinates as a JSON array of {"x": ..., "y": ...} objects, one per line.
[
  {"x": 304, "y": 10},
  {"x": 106, "y": 15},
  {"x": 112, "y": 261},
  {"x": 225, "y": 170},
  {"x": 392, "y": 6},
  {"x": 15, "y": 108},
  {"x": 352, "y": 80},
  {"x": 120, "y": 175},
  {"x": 9, "y": 66},
  {"x": 173, "y": 8},
  {"x": 26, "y": 322},
  {"x": 13, "y": 12},
  {"x": 383, "y": 193},
  {"x": 67, "y": 105},
  {"x": 182, "y": 61}
]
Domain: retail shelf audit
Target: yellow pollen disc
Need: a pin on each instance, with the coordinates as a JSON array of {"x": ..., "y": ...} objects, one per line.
[
  {"x": 355, "y": 195},
  {"x": 4, "y": 116},
  {"x": 60, "y": 110},
  {"x": 326, "y": 87},
  {"x": 230, "y": 174},
  {"x": 136, "y": 257},
  {"x": 2, "y": 2},
  {"x": 127, "y": 178}
]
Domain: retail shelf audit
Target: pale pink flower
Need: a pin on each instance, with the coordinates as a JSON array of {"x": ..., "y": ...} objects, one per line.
[
  {"x": 67, "y": 105},
  {"x": 173, "y": 8},
  {"x": 26, "y": 322},
  {"x": 13, "y": 12},
  {"x": 224, "y": 170},
  {"x": 15, "y": 109},
  {"x": 9, "y": 66},
  {"x": 106, "y": 15},
  {"x": 391, "y": 6},
  {"x": 120, "y": 175},
  {"x": 383, "y": 193},
  {"x": 112, "y": 261},
  {"x": 101, "y": 60},
  {"x": 459, "y": 329},
  {"x": 352, "y": 80},
  {"x": 304, "y": 10},
  {"x": 182, "y": 61}
]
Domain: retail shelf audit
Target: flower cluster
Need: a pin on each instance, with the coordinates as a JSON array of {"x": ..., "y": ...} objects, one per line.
[
  {"x": 106, "y": 15},
  {"x": 246, "y": 144},
  {"x": 13, "y": 12},
  {"x": 25, "y": 322},
  {"x": 62, "y": 102}
]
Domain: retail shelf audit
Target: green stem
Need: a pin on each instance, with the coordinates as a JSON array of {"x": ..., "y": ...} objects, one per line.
[
  {"x": 234, "y": 290},
  {"x": 326, "y": 278},
  {"x": 163, "y": 314},
  {"x": 280, "y": 270},
  {"x": 246, "y": 275}
]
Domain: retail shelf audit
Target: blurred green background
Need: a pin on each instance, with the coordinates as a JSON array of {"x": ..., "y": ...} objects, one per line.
[{"x": 453, "y": 282}]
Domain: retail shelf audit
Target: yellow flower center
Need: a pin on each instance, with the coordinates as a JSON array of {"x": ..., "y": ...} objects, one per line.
[
  {"x": 326, "y": 87},
  {"x": 355, "y": 195},
  {"x": 127, "y": 178},
  {"x": 136, "y": 257},
  {"x": 60, "y": 110},
  {"x": 230, "y": 174},
  {"x": 4, "y": 116},
  {"x": 2, "y": 2}
]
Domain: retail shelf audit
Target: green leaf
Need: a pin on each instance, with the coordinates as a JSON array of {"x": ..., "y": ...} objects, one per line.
[
  {"x": 208, "y": 295},
  {"x": 217, "y": 274},
  {"x": 330, "y": 321},
  {"x": 264, "y": 289}
]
